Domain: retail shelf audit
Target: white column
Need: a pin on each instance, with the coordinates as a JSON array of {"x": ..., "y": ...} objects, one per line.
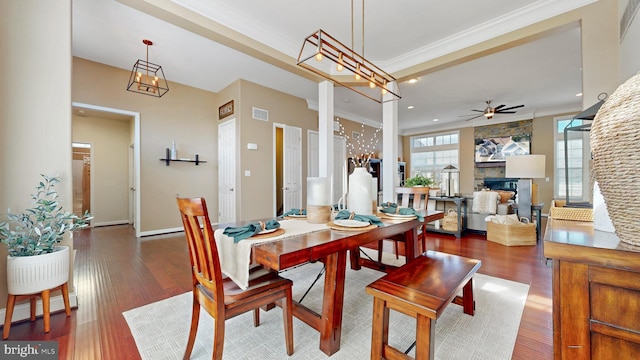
[
  {"x": 389, "y": 145},
  {"x": 325, "y": 128}
]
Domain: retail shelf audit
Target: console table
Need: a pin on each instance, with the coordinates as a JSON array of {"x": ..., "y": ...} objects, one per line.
[
  {"x": 596, "y": 292},
  {"x": 461, "y": 209}
]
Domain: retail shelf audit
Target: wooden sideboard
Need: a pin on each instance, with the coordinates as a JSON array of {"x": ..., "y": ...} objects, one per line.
[{"x": 596, "y": 293}]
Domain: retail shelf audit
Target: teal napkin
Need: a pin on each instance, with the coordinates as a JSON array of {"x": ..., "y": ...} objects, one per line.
[
  {"x": 295, "y": 212},
  {"x": 392, "y": 208},
  {"x": 371, "y": 219},
  {"x": 242, "y": 232}
]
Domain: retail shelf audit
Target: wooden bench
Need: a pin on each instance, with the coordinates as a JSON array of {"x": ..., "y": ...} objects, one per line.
[{"x": 422, "y": 289}]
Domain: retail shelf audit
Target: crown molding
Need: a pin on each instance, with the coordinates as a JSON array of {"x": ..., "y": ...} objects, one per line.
[{"x": 523, "y": 17}]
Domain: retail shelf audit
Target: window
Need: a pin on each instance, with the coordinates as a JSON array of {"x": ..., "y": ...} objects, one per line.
[
  {"x": 577, "y": 160},
  {"x": 432, "y": 153}
]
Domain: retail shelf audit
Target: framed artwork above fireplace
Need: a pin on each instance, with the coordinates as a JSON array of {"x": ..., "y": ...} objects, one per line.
[{"x": 492, "y": 152}]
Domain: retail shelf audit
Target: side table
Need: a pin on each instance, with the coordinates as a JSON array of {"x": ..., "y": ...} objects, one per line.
[{"x": 461, "y": 209}]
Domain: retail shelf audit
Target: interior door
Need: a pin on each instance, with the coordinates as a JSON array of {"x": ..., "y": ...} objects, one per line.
[
  {"x": 132, "y": 186},
  {"x": 227, "y": 171},
  {"x": 292, "y": 168}
]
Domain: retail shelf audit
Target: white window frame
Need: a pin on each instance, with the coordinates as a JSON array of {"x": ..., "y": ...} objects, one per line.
[{"x": 433, "y": 146}]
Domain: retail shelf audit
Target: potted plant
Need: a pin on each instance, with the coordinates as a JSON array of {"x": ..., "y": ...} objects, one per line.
[
  {"x": 418, "y": 180},
  {"x": 31, "y": 237}
]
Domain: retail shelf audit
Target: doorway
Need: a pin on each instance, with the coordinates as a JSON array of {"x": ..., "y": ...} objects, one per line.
[
  {"x": 287, "y": 165},
  {"x": 227, "y": 156},
  {"x": 81, "y": 172},
  {"x": 132, "y": 171}
]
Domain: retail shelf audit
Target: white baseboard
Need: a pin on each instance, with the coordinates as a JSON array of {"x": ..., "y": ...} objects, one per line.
[
  {"x": 161, "y": 231},
  {"x": 22, "y": 311},
  {"x": 109, "y": 223}
]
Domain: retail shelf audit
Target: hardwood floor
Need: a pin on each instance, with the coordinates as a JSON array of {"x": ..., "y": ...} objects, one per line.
[{"x": 115, "y": 272}]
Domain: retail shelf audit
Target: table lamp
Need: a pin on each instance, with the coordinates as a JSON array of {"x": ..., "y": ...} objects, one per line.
[{"x": 525, "y": 167}]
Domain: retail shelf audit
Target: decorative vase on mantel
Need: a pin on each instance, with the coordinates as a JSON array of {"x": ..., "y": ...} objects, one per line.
[
  {"x": 615, "y": 144},
  {"x": 359, "y": 197}
]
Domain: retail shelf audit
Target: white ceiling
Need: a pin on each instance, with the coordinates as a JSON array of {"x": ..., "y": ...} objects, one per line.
[{"x": 543, "y": 74}]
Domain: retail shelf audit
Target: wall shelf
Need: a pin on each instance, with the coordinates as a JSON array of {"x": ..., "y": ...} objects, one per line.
[{"x": 168, "y": 159}]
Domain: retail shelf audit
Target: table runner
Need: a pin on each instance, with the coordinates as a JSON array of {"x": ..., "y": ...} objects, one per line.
[{"x": 235, "y": 259}]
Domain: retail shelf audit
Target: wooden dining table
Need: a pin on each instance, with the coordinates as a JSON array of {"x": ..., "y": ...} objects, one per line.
[{"x": 330, "y": 247}]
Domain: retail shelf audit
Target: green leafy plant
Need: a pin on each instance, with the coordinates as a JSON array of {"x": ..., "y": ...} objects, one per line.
[
  {"x": 37, "y": 230},
  {"x": 419, "y": 180}
]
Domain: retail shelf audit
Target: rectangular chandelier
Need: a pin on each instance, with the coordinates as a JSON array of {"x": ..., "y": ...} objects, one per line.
[
  {"x": 324, "y": 55},
  {"x": 146, "y": 77}
]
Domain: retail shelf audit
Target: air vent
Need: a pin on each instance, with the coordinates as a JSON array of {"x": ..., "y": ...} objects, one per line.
[
  {"x": 629, "y": 12},
  {"x": 260, "y": 114}
]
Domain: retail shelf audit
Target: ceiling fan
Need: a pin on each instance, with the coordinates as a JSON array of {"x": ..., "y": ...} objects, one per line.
[{"x": 488, "y": 112}]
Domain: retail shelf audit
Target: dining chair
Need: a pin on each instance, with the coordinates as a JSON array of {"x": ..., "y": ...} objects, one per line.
[
  {"x": 219, "y": 295},
  {"x": 415, "y": 197}
]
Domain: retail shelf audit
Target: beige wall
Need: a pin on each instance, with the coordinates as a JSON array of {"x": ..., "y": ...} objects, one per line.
[
  {"x": 109, "y": 141},
  {"x": 184, "y": 114},
  {"x": 543, "y": 143},
  {"x": 367, "y": 136},
  {"x": 35, "y": 104},
  {"x": 257, "y": 191}
]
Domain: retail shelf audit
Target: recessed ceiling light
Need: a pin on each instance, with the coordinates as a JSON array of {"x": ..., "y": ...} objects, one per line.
[
  {"x": 413, "y": 81},
  {"x": 436, "y": 119},
  {"x": 579, "y": 94},
  {"x": 410, "y": 107}
]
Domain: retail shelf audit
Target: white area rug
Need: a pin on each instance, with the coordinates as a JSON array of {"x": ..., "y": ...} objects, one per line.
[{"x": 160, "y": 329}]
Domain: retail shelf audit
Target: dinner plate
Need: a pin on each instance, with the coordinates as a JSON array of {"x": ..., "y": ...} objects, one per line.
[
  {"x": 400, "y": 216},
  {"x": 267, "y": 231},
  {"x": 351, "y": 223}
]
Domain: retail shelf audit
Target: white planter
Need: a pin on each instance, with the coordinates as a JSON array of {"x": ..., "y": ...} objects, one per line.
[{"x": 33, "y": 274}]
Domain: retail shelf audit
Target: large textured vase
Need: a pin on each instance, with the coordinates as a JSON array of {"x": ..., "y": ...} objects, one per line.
[
  {"x": 615, "y": 144},
  {"x": 359, "y": 197}
]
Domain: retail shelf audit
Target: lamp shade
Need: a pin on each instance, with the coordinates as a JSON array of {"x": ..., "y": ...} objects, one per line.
[{"x": 525, "y": 166}]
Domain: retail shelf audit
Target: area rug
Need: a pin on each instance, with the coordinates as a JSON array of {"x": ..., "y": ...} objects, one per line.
[{"x": 160, "y": 329}]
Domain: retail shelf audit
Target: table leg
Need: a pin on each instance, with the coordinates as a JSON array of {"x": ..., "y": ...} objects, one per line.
[
  {"x": 538, "y": 221},
  {"x": 354, "y": 258},
  {"x": 332, "y": 302},
  {"x": 411, "y": 244},
  {"x": 468, "y": 305}
]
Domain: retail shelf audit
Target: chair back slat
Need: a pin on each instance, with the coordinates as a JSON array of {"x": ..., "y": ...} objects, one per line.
[
  {"x": 203, "y": 252},
  {"x": 415, "y": 197}
]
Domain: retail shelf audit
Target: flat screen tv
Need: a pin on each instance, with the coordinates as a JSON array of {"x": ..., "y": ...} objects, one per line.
[{"x": 493, "y": 151}]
